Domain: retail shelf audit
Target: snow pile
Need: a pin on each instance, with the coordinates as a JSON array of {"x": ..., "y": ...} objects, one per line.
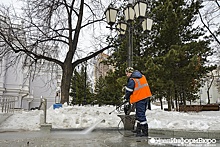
[{"x": 85, "y": 116}]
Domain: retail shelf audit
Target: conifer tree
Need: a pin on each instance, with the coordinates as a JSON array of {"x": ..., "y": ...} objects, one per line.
[
  {"x": 80, "y": 93},
  {"x": 179, "y": 53},
  {"x": 173, "y": 55},
  {"x": 108, "y": 90}
]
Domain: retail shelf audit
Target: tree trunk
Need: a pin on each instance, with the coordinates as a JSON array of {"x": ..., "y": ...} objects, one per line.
[
  {"x": 209, "y": 87},
  {"x": 161, "y": 103},
  {"x": 169, "y": 104},
  {"x": 208, "y": 96},
  {"x": 65, "y": 83},
  {"x": 176, "y": 100},
  {"x": 184, "y": 97},
  {"x": 177, "y": 103}
]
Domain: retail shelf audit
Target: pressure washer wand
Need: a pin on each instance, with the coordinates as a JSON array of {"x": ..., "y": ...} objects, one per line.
[{"x": 118, "y": 107}]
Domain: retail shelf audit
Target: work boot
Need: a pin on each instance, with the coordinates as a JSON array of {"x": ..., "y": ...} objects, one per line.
[
  {"x": 144, "y": 129},
  {"x": 138, "y": 130}
]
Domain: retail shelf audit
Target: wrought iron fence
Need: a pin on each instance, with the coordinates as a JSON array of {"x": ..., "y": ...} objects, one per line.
[{"x": 7, "y": 104}]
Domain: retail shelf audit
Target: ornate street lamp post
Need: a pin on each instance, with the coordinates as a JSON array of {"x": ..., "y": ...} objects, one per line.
[
  {"x": 147, "y": 24},
  {"x": 111, "y": 14},
  {"x": 121, "y": 28},
  {"x": 138, "y": 10},
  {"x": 129, "y": 17},
  {"x": 85, "y": 84}
]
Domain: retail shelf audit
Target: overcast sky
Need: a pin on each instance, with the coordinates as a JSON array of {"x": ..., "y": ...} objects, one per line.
[
  {"x": 9, "y": 2},
  {"x": 86, "y": 38}
]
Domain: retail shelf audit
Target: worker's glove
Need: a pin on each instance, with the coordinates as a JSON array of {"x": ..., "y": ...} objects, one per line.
[{"x": 124, "y": 100}]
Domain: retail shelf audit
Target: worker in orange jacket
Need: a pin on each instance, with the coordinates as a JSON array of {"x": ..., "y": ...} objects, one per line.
[{"x": 138, "y": 93}]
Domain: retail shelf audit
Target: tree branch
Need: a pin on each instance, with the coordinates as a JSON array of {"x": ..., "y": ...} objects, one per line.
[
  {"x": 90, "y": 56},
  {"x": 216, "y": 39}
]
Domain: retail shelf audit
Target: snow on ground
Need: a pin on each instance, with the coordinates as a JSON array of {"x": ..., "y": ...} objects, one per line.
[{"x": 85, "y": 116}]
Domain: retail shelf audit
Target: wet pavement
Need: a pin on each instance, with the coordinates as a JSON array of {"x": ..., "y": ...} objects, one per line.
[
  {"x": 97, "y": 138},
  {"x": 69, "y": 139},
  {"x": 112, "y": 137}
]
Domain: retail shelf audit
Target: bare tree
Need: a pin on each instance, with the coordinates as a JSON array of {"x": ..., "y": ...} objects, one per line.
[
  {"x": 49, "y": 28},
  {"x": 210, "y": 80},
  {"x": 210, "y": 18}
]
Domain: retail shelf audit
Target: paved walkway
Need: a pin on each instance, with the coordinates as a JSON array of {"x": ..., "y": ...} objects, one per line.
[
  {"x": 103, "y": 137},
  {"x": 69, "y": 139},
  {"x": 97, "y": 138}
]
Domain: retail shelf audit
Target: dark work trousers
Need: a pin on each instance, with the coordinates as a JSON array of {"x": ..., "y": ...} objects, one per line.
[{"x": 141, "y": 107}]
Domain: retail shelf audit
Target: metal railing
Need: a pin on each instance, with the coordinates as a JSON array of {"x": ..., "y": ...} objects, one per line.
[{"x": 7, "y": 104}]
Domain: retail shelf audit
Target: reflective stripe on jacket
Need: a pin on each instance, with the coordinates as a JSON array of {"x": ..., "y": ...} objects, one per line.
[{"x": 141, "y": 90}]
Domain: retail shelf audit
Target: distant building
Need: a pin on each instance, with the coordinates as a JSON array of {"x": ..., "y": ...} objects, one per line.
[{"x": 100, "y": 69}]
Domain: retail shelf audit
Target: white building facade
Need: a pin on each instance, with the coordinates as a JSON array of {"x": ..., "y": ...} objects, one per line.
[
  {"x": 27, "y": 86},
  {"x": 22, "y": 78},
  {"x": 212, "y": 81}
]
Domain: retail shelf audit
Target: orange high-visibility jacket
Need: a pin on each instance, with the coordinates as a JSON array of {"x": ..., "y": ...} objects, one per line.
[{"x": 141, "y": 90}]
